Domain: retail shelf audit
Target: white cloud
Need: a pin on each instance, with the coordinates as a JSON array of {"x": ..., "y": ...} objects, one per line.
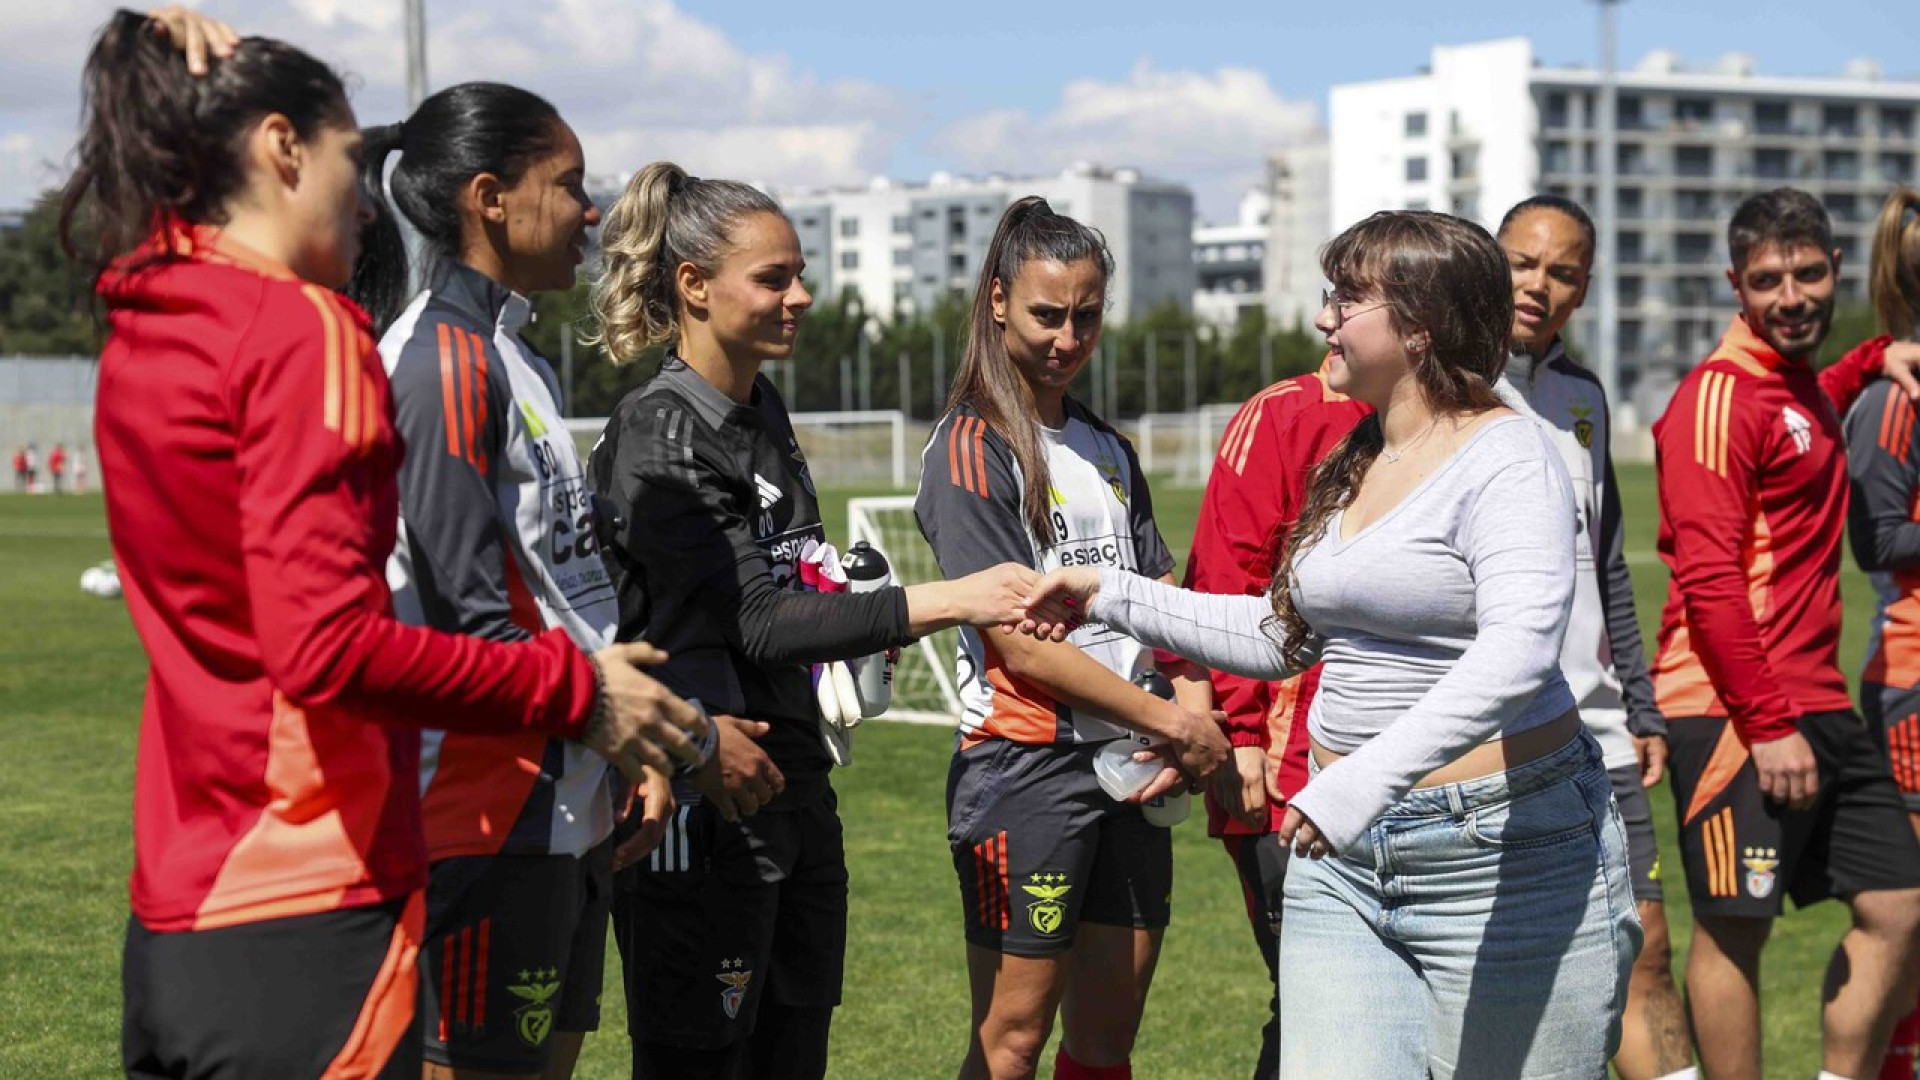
[{"x": 1211, "y": 130}]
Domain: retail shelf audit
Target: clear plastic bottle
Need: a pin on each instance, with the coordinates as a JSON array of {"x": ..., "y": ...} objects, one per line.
[{"x": 1121, "y": 777}]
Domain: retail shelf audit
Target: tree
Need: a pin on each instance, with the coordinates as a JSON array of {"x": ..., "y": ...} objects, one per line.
[{"x": 46, "y": 304}]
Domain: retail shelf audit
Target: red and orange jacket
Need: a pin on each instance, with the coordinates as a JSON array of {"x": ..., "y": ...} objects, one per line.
[
  {"x": 243, "y": 424},
  {"x": 1254, "y": 495},
  {"x": 1753, "y": 501}
]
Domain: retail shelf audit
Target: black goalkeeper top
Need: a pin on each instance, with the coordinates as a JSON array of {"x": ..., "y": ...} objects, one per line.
[{"x": 717, "y": 506}]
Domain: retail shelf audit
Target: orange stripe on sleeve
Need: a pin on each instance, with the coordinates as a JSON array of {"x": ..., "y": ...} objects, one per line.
[
  {"x": 449, "y": 391},
  {"x": 1887, "y": 420},
  {"x": 1702, "y": 396},
  {"x": 966, "y": 454},
  {"x": 1726, "y": 421},
  {"x": 480, "y": 395},
  {"x": 369, "y": 410},
  {"x": 953, "y": 451},
  {"x": 350, "y": 388},
  {"x": 330, "y": 332},
  {"x": 466, "y": 393},
  {"x": 980, "y": 454}
]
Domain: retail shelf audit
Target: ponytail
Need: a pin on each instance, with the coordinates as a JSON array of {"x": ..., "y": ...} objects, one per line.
[
  {"x": 160, "y": 147},
  {"x": 379, "y": 282},
  {"x": 988, "y": 381},
  {"x": 663, "y": 218},
  {"x": 455, "y": 135},
  {"x": 1894, "y": 281}
]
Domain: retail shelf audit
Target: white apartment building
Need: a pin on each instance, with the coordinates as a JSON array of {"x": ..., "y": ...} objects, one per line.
[
  {"x": 1229, "y": 262},
  {"x": 1485, "y": 126},
  {"x": 902, "y": 246},
  {"x": 1301, "y": 222}
]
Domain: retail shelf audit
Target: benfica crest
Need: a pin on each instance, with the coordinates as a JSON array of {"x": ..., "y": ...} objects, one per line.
[
  {"x": 1760, "y": 864},
  {"x": 1047, "y": 913},
  {"x": 534, "y": 1020},
  {"x": 736, "y": 976},
  {"x": 1583, "y": 425}
]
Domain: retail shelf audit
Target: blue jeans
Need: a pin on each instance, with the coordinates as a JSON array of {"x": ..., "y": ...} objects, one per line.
[{"x": 1484, "y": 930}]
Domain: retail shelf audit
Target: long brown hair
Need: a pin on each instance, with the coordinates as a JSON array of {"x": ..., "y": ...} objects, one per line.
[
  {"x": 1894, "y": 282},
  {"x": 988, "y": 381},
  {"x": 159, "y": 146},
  {"x": 1441, "y": 276}
]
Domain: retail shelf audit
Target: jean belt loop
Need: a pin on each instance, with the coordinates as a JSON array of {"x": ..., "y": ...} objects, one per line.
[{"x": 1456, "y": 802}]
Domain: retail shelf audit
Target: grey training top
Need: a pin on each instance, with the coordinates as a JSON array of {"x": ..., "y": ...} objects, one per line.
[{"x": 1440, "y": 624}]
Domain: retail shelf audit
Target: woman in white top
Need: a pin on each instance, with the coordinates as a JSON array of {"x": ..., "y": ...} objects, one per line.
[{"x": 1465, "y": 910}]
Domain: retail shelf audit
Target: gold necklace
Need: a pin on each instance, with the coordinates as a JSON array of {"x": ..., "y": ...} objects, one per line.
[{"x": 1390, "y": 457}]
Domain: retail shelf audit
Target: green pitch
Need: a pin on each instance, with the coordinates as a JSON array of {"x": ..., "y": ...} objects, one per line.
[{"x": 71, "y": 673}]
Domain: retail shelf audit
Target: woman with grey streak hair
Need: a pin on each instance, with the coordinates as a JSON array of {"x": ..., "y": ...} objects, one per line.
[
  {"x": 1467, "y": 874},
  {"x": 733, "y": 931}
]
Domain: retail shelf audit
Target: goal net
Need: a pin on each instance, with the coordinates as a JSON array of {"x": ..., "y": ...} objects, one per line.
[
  {"x": 876, "y": 449},
  {"x": 1180, "y": 447},
  {"x": 923, "y": 686}
]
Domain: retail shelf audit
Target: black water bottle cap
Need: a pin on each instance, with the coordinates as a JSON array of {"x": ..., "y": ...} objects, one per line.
[
  {"x": 1154, "y": 683},
  {"x": 863, "y": 562}
]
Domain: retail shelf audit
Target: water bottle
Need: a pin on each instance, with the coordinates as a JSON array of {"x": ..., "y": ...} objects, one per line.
[
  {"x": 1122, "y": 777},
  {"x": 866, "y": 569}
]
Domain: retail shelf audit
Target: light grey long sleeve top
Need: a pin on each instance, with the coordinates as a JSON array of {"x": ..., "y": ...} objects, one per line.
[{"x": 1440, "y": 624}]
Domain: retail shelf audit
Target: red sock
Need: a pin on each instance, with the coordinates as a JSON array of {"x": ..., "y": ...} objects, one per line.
[
  {"x": 1900, "y": 1063},
  {"x": 1065, "y": 1068}
]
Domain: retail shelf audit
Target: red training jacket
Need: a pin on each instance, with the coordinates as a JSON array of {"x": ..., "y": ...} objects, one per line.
[
  {"x": 1254, "y": 495},
  {"x": 1753, "y": 501},
  {"x": 244, "y": 433}
]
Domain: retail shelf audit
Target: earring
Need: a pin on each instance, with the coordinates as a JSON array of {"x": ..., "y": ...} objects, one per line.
[{"x": 1413, "y": 345}]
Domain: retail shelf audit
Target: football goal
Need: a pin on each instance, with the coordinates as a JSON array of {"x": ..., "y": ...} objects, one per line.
[{"x": 923, "y": 685}]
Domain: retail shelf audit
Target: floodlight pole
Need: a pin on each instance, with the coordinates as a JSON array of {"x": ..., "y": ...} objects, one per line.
[
  {"x": 416, "y": 54},
  {"x": 1607, "y": 347}
]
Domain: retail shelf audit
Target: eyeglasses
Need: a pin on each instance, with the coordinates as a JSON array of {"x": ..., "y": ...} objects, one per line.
[{"x": 1331, "y": 298}]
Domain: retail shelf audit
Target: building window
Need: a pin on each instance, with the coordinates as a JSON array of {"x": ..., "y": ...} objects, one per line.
[
  {"x": 1693, "y": 113},
  {"x": 1416, "y": 125},
  {"x": 957, "y": 264},
  {"x": 903, "y": 256},
  {"x": 1840, "y": 165},
  {"x": 1416, "y": 170},
  {"x": 1631, "y": 289},
  {"x": 901, "y": 223},
  {"x": 1693, "y": 204},
  {"x": 1772, "y": 163},
  {"x": 1559, "y": 157},
  {"x": 1630, "y": 251},
  {"x": 1772, "y": 117},
  {"x": 849, "y": 260},
  {"x": 1693, "y": 160},
  {"x": 1557, "y": 109},
  {"x": 809, "y": 222},
  {"x": 1416, "y": 204},
  {"x": 1631, "y": 203},
  {"x": 1627, "y": 112},
  {"x": 1896, "y": 122},
  {"x": 1632, "y": 159},
  {"x": 1896, "y": 168},
  {"x": 1841, "y": 206},
  {"x": 1841, "y": 120},
  {"x": 1692, "y": 247},
  {"x": 849, "y": 228}
]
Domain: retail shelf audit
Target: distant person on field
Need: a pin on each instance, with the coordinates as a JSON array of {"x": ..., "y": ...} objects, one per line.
[
  {"x": 1549, "y": 243},
  {"x": 33, "y": 467},
  {"x": 57, "y": 468},
  {"x": 20, "y": 468},
  {"x": 1883, "y": 461},
  {"x": 1781, "y": 790},
  {"x": 79, "y": 469}
]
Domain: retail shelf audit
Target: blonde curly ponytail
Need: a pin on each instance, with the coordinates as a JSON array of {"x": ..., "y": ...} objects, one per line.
[{"x": 662, "y": 219}]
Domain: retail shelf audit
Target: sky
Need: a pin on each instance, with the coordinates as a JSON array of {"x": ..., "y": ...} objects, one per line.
[{"x": 834, "y": 92}]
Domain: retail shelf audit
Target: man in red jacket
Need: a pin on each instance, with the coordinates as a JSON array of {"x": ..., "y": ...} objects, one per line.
[
  {"x": 1781, "y": 790},
  {"x": 1253, "y": 497}
]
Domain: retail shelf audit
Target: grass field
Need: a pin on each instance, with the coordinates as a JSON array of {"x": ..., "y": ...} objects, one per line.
[{"x": 71, "y": 673}]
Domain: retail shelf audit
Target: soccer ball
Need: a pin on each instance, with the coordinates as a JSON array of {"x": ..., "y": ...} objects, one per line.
[{"x": 102, "y": 581}]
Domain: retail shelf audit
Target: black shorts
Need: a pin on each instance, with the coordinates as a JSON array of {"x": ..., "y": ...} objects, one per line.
[
  {"x": 1643, "y": 851},
  {"x": 1041, "y": 848},
  {"x": 723, "y": 913},
  {"x": 1894, "y": 716},
  {"x": 1743, "y": 852},
  {"x": 515, "y": 950},
  {"x": 300, "y": 998}
]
